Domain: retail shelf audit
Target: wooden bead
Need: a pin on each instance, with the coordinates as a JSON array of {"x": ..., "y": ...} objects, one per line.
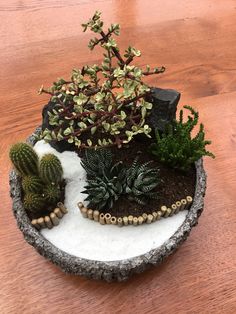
[
  {"x": 144, "y": 215},
  {"x": 62, "y": 207},
  {"x": 84, "y": 212},
  {"x": 80, "y": 205},
  {"x": 90, "y": 214},
  {"x": 140, "y": 220},
  {"x": 108, "y": 218},
  {"x": 183, "y": 204},
  {"x": 125, "y": 220},
  {"x": 178, "y": 205},
  {"x": 168, "y": 212},
  {"x": 35, "y": 224},
  {"x": 96, "y": 215},
  {"x": 135, "y": 221},
  {"x": 173, "y": 209},
  {"x": 113, "y": 220},
  {"x": 55, "y": 220},
  {"x": 120, "y": 222},
  {"x": 159, "y": 214},
  {"x": 130, "y": 219},
  {"x": 189, "y": 200},
  {"x": 58, "y": 212},
  {"x": 102, "y": 219},
  {"x": 154, "y": 214},
  {"x": 41, "y": 222},
  {"x": 163, "y": 210},
  {"x": 48, "y": 222},
  {"x": 149, "y": 219}
]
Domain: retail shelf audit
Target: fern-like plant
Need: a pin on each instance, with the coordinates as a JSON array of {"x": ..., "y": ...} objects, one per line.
[
  {"x": 176, "y": 147},
  {"x": 141, "y": 180}
]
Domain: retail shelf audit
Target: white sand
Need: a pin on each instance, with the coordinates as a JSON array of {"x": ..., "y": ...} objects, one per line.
[{"x": 88, "y": 239}]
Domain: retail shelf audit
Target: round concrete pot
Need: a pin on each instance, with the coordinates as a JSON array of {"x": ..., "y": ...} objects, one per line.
[{"x": 112, "y": 270}]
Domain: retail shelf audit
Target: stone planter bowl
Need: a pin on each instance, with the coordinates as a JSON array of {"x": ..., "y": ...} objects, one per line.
[{"x": 112, "y": 270}]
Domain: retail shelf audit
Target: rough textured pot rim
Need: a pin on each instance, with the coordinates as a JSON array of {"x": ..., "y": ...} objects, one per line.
[{"x": 113, "y": 270}]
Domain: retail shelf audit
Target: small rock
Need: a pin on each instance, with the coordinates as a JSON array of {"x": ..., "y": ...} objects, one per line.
[{"x": 165, "y": 103}]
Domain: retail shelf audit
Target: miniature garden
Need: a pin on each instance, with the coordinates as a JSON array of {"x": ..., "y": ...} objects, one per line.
[{"x": 133, "y": 154}]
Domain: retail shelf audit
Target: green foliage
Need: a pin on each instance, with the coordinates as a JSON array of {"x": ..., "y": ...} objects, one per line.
[
  {"x": 141, "y": 180},
  {"x": 107, "y": 182},
  {"x": 51, "y": 193},
  {"x": 103, "y": 192},
  {"x": 32, "y": 183},
  {"x": 109, "y": 98},
  {"x": 24, "y": 159},
  {"x": 33, "y": 202},
  {"x": 176, "y": 147},
  {"x": 97, "y": 162},
  {"x": 50, "y": 169}
]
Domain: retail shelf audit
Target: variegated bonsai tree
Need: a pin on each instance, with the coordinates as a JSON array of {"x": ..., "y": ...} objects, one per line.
[{"x": 108, "y": 99}]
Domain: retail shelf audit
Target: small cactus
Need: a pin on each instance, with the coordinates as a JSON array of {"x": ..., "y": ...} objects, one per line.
[
  {"x": 50, "y": 169},
  {"x": 33, "y": 202},
  {"x": 32, "y": 183},
  {"x": 51, "y": 193},
  {"x": 24, "y": 158}
]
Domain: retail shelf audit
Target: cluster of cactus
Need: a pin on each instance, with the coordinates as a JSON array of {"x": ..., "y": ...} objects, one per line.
[
  {"x": 40, "y": 178},
  {"x": 107, "y": 182},
  {"x": 176, "y": 147},
  {"x": 109, "y": 98}
]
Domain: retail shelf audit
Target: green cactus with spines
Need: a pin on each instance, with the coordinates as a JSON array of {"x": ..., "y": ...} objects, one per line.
[
  {"x": 51, "y": 193},
  {"x": 32, "y": 183},
  {"x": 24, "y": 159},
  {"x": 33, "y": 202},
  {"x": 50, "y": 169}
]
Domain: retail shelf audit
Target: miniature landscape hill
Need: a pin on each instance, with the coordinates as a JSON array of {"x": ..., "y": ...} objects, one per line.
[{"x": 110, "y": 149}]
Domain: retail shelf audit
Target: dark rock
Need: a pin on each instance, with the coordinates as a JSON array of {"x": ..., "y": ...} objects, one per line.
[
  {"x": 165, "y": 103},
  {"x": 111, "y": 270}
]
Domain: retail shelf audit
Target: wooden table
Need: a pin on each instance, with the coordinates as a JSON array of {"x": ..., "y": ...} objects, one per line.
[{"x": 196, "y": 41}]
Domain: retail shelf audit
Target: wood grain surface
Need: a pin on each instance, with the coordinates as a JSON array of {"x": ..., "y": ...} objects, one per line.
[{"x": 196, "y": 41}]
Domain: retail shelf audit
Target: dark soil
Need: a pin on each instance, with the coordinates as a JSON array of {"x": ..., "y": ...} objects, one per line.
[
  {"x": 174, "y": 184},
  {"x": 49, "y": 208}
]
